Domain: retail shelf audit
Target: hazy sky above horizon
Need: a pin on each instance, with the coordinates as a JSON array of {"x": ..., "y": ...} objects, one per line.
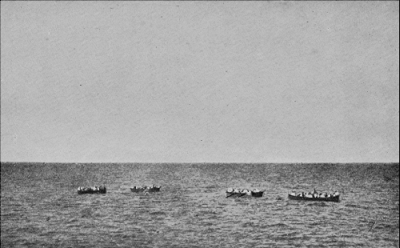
[{"x": 200, "y": 81}]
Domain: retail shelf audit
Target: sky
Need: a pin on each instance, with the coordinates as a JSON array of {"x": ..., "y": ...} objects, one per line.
[{"x": 187, "y": 82}]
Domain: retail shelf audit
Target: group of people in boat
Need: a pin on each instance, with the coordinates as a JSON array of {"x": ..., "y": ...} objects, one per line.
[
  {"x": 146, "y": 188},
  {"x": 230, "y": 192},
  {"x": 94, "y": 189},
  {"x": 315, "y": 194},
  {"x": 242, "y": 191},
  {"x": 102, "y": 189}
]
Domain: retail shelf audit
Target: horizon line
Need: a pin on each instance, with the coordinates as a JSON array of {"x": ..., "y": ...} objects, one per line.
[{"x": 37, "y": 162}]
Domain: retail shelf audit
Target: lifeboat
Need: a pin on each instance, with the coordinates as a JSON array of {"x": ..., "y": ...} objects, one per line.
[
  {"x": 315, "y": 197},
  {"x": 243, "y": 192},
  {"x": 92, "y": 190},
  {"x": 145, "y": 189}
]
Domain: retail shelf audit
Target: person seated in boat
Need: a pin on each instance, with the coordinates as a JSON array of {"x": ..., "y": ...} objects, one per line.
[
  {"x": 309, "y": 195},
  {"x": 335, "y": 193},
  {"x": 229, "y": 190},
  {"x": 293, "y": 193}
]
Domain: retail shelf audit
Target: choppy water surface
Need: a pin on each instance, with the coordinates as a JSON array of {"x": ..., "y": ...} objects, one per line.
[{"x": 40, "y": 206}]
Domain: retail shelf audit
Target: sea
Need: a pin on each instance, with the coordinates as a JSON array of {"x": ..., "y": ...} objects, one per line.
[{"x": 40, "y": 206}]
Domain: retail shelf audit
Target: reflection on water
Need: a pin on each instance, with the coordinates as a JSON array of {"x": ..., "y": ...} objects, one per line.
[{"x": 40, "y": 206}]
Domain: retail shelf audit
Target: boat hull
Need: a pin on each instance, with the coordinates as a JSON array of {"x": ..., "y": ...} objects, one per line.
[
  {"x": 100, "y": 190},
  {"x": 242, "y": 194},
  {"x": 257, "y": 194},
  {"x": 234, "y": 195},
  {"x": 138, "y": 190},
  {"x": 154, "y": 189},
  {"x": 326, "y": 199}
]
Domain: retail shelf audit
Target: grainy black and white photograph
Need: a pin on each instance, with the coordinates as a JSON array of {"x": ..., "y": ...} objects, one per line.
[{"x": 199, "y": 124}]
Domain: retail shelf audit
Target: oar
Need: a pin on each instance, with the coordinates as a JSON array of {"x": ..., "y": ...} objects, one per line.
[
  {"x": 231, "y": 194},
  {"x": 372, "y": 225},
  {"x": 243, "y": 194}
]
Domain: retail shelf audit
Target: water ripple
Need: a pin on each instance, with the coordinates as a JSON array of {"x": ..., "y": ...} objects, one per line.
[{"x": 40, "y": 206}]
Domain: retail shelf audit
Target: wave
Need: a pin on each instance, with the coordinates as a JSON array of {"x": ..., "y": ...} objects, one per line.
[
  {"x": 356, "y": 206},
  {"x": 318, "y": 204}
]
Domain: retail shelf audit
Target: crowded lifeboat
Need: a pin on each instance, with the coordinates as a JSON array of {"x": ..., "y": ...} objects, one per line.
[
  {"x": 315, "y": 196},
  {"x": 237, "y": 192},
  {"x": 150, "y": 188},
  {"x": 92, "y": 190}
]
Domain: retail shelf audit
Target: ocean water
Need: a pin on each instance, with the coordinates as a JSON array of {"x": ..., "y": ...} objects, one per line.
[{"x": 41, "y": 208}]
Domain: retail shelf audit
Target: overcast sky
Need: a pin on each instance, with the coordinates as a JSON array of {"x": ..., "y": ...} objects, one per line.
[{"x": 200, "y": 81}]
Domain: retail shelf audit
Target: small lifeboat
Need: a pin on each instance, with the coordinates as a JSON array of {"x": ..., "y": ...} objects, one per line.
[
  {"x": 257, "y": 193},
  {"x": 315, "y": 197},
  {"x": 145, "y": 189},
  {"x": 92, "y": 190},
  {"x": 243, "y": 192}
]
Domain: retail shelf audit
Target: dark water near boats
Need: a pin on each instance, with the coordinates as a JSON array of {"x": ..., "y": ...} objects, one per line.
[{"x": 40, "y": 206}]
